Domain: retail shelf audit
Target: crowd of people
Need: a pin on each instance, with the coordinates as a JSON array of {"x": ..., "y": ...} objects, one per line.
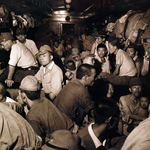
[{"x": 78, "y": 92}]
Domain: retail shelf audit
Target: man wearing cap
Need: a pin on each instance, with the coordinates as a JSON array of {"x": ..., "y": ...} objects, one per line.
[
  {"x": 128, "y": 103},
  {"x": 21, "y": 38},
  {"x": 43, "y": 115},
  {"x": 22, "y": 62},
  {"x": 63, "y": 140},
  {"x": 5, "y": 49},
  {"x": 74, "y": 99},
  {"x": 50, "y": 75}
]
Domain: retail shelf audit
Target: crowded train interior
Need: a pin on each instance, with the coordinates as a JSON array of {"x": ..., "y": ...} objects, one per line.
[{"x": 74, "y": 74}]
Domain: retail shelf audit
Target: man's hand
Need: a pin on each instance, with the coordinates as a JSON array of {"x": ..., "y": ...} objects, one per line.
[
  {"x": 9, "y": 82},
  {"x": 102, "y": 75}
]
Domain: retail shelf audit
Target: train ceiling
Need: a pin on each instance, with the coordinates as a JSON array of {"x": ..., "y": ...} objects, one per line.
[{"x": 77, "y": 7}]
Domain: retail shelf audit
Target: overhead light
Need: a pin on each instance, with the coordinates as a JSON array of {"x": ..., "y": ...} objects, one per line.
[
  {"x": 68, "y": 1},
  {"x": 68, "y": 6},
  {"x": 61, "y": 12}
]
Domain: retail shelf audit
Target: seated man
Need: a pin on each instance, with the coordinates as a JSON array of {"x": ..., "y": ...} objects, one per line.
[
  {"x": 106, "y": 116},
  {"x": 74, "y": 99},
  {"x": 141, "y": 112},
  {"x": 49, "y": 75},
  {"x": 70, "y": 69},
  {"x": 43, "y": 115},
  {"x": 16, "y": 132},
  {"x": 21, "y": 38},
  {"x": 22, "y": 61},
  {"x": 128, "y": 104}
]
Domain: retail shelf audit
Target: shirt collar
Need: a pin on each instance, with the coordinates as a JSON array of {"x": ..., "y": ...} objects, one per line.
[
  {"x": 134, "y": 99},
  {"x": 96, "y": 141},
  {"x": 49, "y": 67}
]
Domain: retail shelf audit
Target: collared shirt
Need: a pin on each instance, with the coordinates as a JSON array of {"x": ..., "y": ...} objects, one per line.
[
  {"x": 74, "y": 100},
  {"x": 46, "y": 118},
  {"x": 21, "y": 56},
  {"x": 49, "y": 67},
  {"x": 30, "y": 44},
  {"x": 127, "y": 105},
  {"x": 127, "y": 66},
  {"x": 96, "y": 141},
  {"x": 51, "y": 78},
  {"x": 8, "y": 99}
]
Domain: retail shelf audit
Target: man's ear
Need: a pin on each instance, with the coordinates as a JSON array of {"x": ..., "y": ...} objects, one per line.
[
  {"x": 51, "y": 57},
  {"x": 85, "y": 78},
  {"x": 108, "y": 120},
  {"x": 130, "y": 89},
  {"x": 23, "y": 95}
]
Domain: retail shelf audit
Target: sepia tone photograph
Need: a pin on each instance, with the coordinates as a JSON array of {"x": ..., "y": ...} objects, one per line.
[{"x": 74, "y": 74}]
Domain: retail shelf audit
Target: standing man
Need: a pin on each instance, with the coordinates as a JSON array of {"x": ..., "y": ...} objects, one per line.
[
  {"x": 22, "y": 61},
  {"x": 21, "y": 38},
  {"x": 74, "y": 99}
]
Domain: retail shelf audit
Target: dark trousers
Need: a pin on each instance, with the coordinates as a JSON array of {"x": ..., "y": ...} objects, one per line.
[{"x": 18, "y": 75}]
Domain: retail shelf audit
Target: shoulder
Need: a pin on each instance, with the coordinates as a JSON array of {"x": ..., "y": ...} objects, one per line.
[
  {"x": 30, "y": 41},
  {"x": 121, "y": 52},
  {"x": 15, "y": 45},
  {"x": 83, "y": 133},
  {"x": 125, "y": 97},
  {"x": 57, "y": 69},
  {"x": 86, "y": 140}
]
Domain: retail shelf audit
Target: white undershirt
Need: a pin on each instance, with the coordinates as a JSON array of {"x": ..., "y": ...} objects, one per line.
[{"x": 96, "y": 141}]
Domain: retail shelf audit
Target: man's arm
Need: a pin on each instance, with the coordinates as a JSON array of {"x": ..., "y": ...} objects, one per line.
[
  {"x": 52, "y": 96},
  {"x": 9, "y": 80},
  {"x": 93, "y": 48},
  {"x": 117, "y": 69},
  {"x": 136, "y": 117}
]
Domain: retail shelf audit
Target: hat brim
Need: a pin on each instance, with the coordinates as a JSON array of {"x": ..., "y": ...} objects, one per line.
[
  {"x": 51, "y": 147},
  {"x": 45, "y": 147},
  {"x": 43, "y": 52}
]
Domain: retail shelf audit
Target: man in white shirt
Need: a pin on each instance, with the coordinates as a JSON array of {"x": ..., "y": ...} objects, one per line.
[
  {"x": 22, "y": 61},
  {"x": 139, "y": 138},
  {"x": 30, "y": 44}
]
